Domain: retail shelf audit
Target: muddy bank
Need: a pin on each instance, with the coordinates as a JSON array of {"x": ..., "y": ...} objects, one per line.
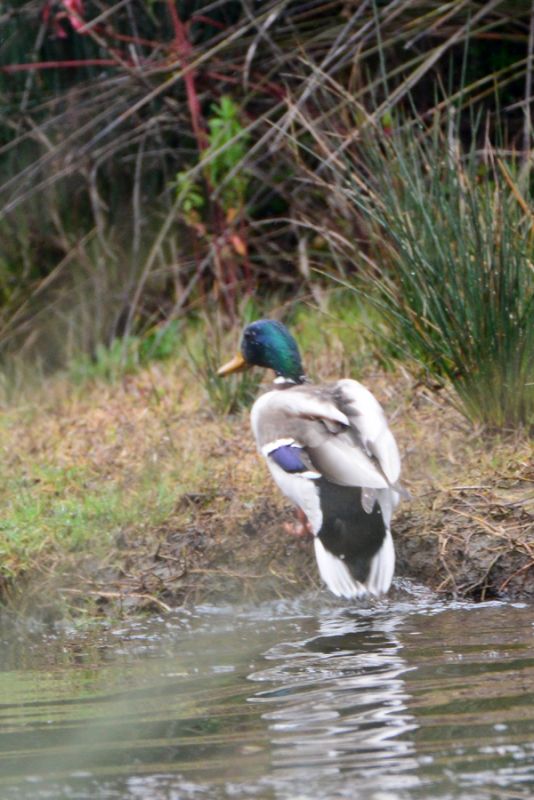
[
  {"x": 470, "y": 545},
  {"x": 204, "y": 522},
  {"x": 473, "y": 543}
]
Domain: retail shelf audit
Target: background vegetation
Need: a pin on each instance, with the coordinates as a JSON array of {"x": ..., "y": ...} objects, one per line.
[{"x": 166, "y": 161}]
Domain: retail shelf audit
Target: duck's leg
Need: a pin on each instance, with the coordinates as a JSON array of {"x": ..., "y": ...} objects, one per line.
[{"x": 300, "y": 528}]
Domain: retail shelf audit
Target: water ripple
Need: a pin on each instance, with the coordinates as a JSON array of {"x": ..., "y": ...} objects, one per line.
[{"x": 302, "y": 699}]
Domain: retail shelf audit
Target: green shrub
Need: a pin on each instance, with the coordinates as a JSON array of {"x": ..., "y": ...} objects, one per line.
[
  {"x": 126, "y": 355},
  {"x": 453, "y": 269}
]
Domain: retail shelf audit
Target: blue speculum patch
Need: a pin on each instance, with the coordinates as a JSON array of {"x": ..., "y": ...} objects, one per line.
[{"x": 289, "y": 457}]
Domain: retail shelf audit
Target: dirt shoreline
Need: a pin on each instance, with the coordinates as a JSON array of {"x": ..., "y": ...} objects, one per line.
[
  {"x": 466, "y": 532},
  {"x": 442, "y": 542}
]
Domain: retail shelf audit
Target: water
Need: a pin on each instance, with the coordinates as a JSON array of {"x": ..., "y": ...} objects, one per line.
[{"x": 302, "y": 699}]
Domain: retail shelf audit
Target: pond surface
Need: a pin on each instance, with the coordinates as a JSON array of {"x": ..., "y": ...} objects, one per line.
[{"x": 301, "y": 699}]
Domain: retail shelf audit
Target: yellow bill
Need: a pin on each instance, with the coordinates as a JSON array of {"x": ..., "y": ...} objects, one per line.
[{"x": 237, "y": 364}]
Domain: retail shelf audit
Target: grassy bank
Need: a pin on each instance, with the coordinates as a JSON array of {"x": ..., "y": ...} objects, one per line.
[{"x": 140, "y": 493}]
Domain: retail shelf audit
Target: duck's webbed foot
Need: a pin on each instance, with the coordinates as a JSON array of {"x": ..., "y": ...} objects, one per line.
[{"x": 301, "y": 527}]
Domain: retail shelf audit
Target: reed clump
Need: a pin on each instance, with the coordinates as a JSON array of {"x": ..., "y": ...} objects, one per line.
[{"x": 452, "y": 267}]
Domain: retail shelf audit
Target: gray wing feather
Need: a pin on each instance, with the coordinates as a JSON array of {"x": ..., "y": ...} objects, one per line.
[{"x": 341, "y": 426}]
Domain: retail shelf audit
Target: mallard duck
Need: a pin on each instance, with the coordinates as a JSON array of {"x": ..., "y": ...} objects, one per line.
[{"x": 331, "y": 452}]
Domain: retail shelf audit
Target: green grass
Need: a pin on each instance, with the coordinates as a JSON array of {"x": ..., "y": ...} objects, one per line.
[
  {"x": 453, "y": 250},
  {"x": 344, "y": 338},
  {"x": 127, "y": 355},
  {"x": 203, "y": 344},
  {"x": 50, "y": 509}
]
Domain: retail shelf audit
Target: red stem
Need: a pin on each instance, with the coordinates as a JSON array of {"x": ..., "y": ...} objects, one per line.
[
  {"x": 88, "y": 62},
  {"x": 208, "y": 21},
  {"x": 184, "y": 49},
  {"x": 122, "y": 37}
]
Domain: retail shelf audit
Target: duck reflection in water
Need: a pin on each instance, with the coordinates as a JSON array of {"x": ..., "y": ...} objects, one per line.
[{"x": 336, "y": 706}]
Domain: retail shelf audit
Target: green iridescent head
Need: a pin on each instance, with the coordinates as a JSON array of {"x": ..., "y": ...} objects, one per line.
[{"x": 268, "y": 343}]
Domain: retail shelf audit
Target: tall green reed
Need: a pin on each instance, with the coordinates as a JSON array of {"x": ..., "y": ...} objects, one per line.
[{"x": 453, "y": 272}]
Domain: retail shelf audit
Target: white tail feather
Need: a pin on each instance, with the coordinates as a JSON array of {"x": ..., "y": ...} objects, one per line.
[
  {"x": 382, "y": 567},
  {"x": 337, "y": 576}
]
